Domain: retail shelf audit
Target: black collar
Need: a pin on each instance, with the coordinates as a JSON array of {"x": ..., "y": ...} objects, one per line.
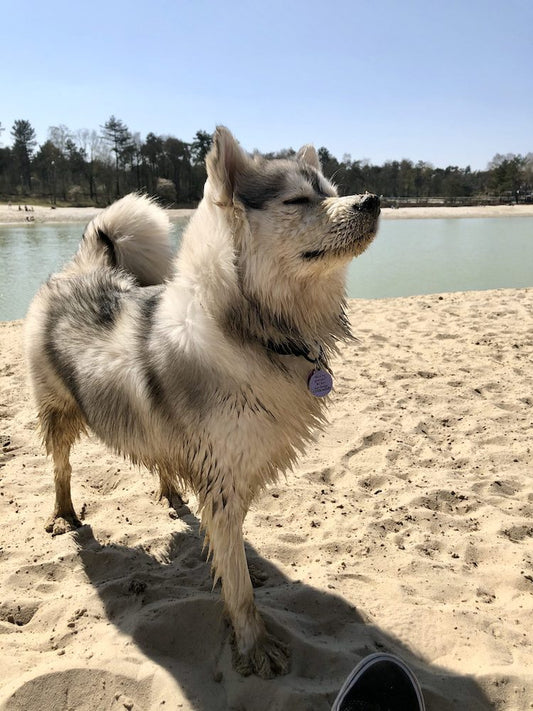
[{"x": 297, "y": 349}]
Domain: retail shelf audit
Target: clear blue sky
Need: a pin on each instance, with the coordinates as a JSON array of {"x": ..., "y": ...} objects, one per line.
[{"x": 447, "y": 82}]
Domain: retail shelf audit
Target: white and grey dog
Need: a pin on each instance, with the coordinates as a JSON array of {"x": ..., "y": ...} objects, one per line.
[{"x": 200, "y": 370}]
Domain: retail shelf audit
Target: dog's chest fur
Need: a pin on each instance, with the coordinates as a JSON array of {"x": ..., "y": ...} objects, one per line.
[{"x": 253, "y": 405}]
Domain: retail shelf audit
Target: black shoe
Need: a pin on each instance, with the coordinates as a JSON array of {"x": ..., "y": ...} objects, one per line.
[{"x": 380, "y": 682}]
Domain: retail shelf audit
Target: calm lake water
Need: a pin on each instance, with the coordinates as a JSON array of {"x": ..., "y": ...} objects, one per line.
[{"x": 408, "y": 257}]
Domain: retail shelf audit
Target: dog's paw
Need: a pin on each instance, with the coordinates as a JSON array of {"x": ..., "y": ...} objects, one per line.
[
  {"x": 57, "y": 525},
  {"x": 268, "y": 658},
  {"x": 177, "y": 503}
]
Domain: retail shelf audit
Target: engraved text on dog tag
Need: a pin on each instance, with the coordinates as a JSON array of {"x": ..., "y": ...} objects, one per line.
[{"x": 320, "y": 383}]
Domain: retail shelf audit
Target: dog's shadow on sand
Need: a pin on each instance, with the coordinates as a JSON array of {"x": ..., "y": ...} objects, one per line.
[{"x": 166, "y": 605}]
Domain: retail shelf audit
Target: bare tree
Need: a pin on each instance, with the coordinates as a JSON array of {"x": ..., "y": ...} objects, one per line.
[{"x": 59, "y": 135}]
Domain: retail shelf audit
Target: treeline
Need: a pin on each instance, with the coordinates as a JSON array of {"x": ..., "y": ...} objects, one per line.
[{"x": 88, "y": 167}]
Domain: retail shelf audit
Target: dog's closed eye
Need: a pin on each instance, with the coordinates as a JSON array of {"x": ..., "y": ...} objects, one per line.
[{"x": 300, "y": 200}]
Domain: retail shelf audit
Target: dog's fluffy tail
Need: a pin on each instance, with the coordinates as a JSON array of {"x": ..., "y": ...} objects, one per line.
[{"x": 132, "y": 234}]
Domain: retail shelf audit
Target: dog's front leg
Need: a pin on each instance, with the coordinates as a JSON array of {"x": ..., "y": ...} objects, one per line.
[{"x": 255, "y": 651}]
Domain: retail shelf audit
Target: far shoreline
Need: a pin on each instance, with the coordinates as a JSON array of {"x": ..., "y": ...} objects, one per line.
[{"x": 11, "y": 215}]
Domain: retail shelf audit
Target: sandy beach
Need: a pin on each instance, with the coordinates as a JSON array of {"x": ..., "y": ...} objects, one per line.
[
  {"x": 406, "y": 528},
  {"x": 10, "y": 215}
]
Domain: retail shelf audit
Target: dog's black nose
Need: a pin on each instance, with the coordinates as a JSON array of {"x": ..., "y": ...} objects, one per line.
[{"x": 368, "y": 203}]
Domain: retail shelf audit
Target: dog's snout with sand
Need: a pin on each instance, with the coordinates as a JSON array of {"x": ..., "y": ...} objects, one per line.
[{"x": 368, "y": 203}]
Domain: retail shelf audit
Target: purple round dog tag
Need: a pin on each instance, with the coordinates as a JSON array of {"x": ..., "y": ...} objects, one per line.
[{"x": 320, "y": 383}]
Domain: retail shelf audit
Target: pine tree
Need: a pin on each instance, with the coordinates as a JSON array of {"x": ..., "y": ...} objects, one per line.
[
  {"x": 115, "y": 132},
  {"x": 24, "y": 142}
]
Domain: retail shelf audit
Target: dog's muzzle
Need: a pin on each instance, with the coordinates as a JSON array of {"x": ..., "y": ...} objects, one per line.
[{"x": 369, "y": 205}]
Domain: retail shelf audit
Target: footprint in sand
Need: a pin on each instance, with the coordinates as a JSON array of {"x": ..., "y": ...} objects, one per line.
[
  {"x": 371, "y": 440},
  {"x": 448, "y": 502},
  {"x": 17, "y": 614},
  {"x": 102, "y": 689}
]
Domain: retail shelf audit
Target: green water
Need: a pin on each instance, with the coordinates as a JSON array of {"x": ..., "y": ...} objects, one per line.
[
  {"x": 411, "y": 257},
  {"x": 408, "y": 257}
]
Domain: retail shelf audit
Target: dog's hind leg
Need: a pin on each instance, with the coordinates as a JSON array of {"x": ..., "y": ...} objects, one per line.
[
  {"x": 255, "y": 651},
  {"x": 60, "y": 429},
  {"x": 170, "y": 490}
]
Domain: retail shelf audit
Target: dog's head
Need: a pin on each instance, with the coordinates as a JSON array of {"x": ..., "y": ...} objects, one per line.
[
  {"x": 293, "y": 212},
  {"x": 292, "y": 236}
]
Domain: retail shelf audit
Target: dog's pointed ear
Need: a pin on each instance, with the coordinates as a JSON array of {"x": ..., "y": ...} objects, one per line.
[
  {"x": 225, "y": 162},
  {"x": 307, "y": 154}
]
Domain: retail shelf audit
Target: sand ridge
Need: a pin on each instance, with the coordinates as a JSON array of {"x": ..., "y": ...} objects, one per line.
[{"x": 407, "y": 527}]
